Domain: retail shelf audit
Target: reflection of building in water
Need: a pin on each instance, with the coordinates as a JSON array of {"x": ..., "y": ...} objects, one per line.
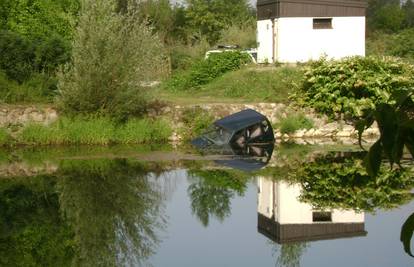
[{"x": 282, "y": 218}]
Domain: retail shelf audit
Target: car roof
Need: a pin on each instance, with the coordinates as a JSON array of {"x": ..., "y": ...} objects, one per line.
[{"x": 240, "y": 120}]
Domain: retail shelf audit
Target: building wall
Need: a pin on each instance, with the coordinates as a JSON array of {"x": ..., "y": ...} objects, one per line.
[
  {"x": 297, "y": 41},
  {"x": 264, "y": 41},
  {"x": 281, "y": 200}
]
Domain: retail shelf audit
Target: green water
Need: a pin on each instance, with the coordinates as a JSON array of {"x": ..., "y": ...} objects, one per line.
[{"x": 155, "y": 206}]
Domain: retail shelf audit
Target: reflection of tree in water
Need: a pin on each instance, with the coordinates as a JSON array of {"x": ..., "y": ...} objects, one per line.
[
  {"x": 333, "y": 181},
  {"x": 211, "y": 192},
  {"x": 289, "y": 255},
  {"x": 32, "y": 232},
  {"x": 114, "y": 209}
]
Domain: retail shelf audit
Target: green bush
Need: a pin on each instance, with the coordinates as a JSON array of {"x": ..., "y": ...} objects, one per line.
[
  {"x": 354, "y": 84},
  {"x": 21, "y": 57},
  {"x": 294, "y": 122},
  {"x": 114, "y": 55},
  {"x": 208, "y": 69}
]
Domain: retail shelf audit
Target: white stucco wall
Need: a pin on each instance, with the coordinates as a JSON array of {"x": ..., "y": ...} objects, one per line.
[
  {"x": 264, "y": 41},
  {"x": 297, "y": 41}
]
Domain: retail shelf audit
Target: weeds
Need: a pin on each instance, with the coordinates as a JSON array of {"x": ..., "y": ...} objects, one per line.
[
  {"x": 294, "y": 122},
  {"x": 97, "y": 131}
]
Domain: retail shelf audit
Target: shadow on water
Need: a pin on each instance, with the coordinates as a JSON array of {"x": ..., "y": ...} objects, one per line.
[{"x": 111, "y": 212}]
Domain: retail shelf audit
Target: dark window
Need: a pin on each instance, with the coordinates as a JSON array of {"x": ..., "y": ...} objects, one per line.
[
  {"x": 322, "y": 216},
  {"x": 322, "y": 23}
]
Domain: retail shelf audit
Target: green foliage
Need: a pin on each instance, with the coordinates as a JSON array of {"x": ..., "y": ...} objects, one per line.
[
  {"x": 113, "y": 56},
  {"x": 41, "y": 18},
  {"x": 95, "y": 131},
  {"x": 294, "y": 122},
  {"x": 207, "y": 70},
  {"x": 210, "y": 17},
  {"x": 343, "y": 182},
  {"x": 354, "y": 84},
  {"x": 243, "y": 35},
  {"x": 399, "y": 44},
  {"x": 196, "y": 120}
]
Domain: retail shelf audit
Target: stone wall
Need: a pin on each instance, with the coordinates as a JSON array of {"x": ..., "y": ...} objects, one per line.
[
  {"x": 22, "y": 115},
  {"x": 323, "y": 126}
]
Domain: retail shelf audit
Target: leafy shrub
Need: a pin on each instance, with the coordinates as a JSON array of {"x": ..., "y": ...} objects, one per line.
[
  {"x": 209, "y": 69},
  {"x": 113, "y": 56},
  {"x": 354, "y": 84},
  {"x": 21, "y": 57},
  {"x": 294, "y": 122},
  {"x": 16, "y": 56}
]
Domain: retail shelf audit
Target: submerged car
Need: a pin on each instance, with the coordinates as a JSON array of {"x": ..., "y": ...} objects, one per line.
[{"x": 239, "y": 130}]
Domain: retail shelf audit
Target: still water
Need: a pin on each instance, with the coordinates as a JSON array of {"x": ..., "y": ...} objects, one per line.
[{"x": 309, "y": 206}]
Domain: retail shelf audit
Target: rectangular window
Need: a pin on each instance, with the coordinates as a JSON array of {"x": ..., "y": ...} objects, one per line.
[
  {"x": 321, "y": 216},
  {"x": 322, "y": 24}
]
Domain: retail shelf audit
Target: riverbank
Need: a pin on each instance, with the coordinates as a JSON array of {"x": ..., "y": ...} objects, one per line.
[{"x": 168, "y": 123}]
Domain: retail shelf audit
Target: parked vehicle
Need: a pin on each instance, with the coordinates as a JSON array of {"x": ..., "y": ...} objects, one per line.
[
  {"x": 252, "y": 52},
  {"x": 240, "y": 129}
]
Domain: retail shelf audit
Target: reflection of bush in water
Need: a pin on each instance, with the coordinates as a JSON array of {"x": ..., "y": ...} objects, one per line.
[
  {"x": 342, "y": 182},
  {"x": 114, "y": 208},
  {"x": 32, "y": 232},
  {"x": 290, "y": 254},
  {"x": 211, "y": 192}
]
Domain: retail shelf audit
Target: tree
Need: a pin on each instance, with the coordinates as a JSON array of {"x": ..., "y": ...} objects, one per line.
[
  {"x": 210, "y": 17},
  {"x": 408, "y": 8},
  {"x": 389, "y": 17},
  {"x": 114, "y": 55}
]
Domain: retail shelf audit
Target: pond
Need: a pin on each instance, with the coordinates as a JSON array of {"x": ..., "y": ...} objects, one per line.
[{"x": 157, "y": 206}]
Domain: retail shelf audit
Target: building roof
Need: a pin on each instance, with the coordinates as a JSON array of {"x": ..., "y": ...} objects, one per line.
[
  {"x": 270, "y": 9},
  {"x": 240, "y": 120},
  {"x": 289, "y": 233}
]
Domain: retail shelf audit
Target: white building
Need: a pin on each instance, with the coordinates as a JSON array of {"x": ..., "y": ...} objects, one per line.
[
  {"x": 283, "y": 218},
  {"x": 290, "y": 31}
]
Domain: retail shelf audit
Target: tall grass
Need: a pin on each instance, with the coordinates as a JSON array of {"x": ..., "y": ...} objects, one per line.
[{"x": 96, "y": 131}]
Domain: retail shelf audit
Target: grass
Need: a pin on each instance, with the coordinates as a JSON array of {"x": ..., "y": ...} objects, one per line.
[
  {"x": 247, "y": 84},
  {"x": 4, "y": 137},
  {"x": 294, "y": 122},
  {"x": 96, "y": 131}
]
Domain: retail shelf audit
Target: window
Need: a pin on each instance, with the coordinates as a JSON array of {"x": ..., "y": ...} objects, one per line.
[
  {"x": 322, "y": 23},
  {"x": 322, "y": 216}
]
